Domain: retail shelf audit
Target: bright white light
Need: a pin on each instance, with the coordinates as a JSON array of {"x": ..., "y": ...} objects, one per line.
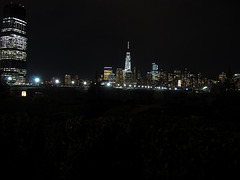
[
  {"x": 9, "y": 78},
  {"x": 73, "y": 82},
  {"x": 108, "y": 84},
  {"x": 37, "y": 80},
  {"x": 130, "y": 85},
  {"x": 57, "y": 81},
  {"x": 84, "y": 83},
  {"x": 175, "y": 88},
  {"x": 205, "y": 87}
]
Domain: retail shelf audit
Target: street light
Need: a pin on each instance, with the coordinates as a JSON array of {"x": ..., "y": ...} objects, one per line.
[
  {"x": 57, "y": 81},
  {"x": 37, "y": 80}
]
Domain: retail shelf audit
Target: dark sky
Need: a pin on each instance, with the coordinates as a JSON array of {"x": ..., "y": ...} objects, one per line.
[{"x": 82, "y": 36}]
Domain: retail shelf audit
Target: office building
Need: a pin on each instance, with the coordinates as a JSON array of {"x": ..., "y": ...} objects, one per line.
[
  {"x": 107, "y": 72},
  {"x": 119, "y": 77},
  {"x": 155, "y": 72},
  {"x": 13, "y": 45},
  {"x": 127, "y": 69},
  {"x": 67, "y": 79}
]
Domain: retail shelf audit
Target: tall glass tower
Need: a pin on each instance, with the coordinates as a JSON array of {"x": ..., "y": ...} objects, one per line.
[
  {"x": 154, "y": 71},
  {"x": 128, "y": 60},
  {"x": 13, "y": 45},
  {"x": 127, "y": 69}
]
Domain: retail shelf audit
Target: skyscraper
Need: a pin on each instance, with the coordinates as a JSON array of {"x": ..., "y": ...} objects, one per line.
[
  {"x": 13, "y": 45},
  {"x": 128, "y": 60},
  {"x": 154, "y": 72},
  {"x": 127, "y": 69},
  {"x": 119, "y": 76}
]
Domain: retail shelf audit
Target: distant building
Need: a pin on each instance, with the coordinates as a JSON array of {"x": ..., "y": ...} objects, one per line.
[
  {"x": 177, "y": 77},
  {"x": 107, "y": 72},
  {"x": 119, "y": 76},
  {"x": 127, "y": 69},
  {"x": 162, "y": 78},
  {"x": 134, "y": 76},
  {"x": 112, "y": 79},
  {"x": 149, "y": 78},
  {"x": 67, "y": 79},
  {"x": 139, "y": 78},
  {"x": 76, "y": 80},
  {"x": 222, "y": 77},
  {"x": 13, "y": 45},
  {"x": 170, "y": 80},
  {"x": 155, "y": 72}
]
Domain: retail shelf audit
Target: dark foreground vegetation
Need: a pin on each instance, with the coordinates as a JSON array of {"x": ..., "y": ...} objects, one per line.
[{"x": 73, "y": 134}]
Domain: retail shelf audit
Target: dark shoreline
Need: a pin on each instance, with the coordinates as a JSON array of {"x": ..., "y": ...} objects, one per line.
[{"x": 70, "y": 134}]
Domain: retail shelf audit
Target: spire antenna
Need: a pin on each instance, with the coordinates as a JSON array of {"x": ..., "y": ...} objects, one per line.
[{"x": 128, "y": 45}]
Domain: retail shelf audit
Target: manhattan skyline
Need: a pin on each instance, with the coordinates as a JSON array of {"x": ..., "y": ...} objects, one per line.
[{"x": 82, "y": 37}]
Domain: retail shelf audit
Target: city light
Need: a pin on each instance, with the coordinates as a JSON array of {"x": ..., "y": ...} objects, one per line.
[
  {"x": 24, "y": 93},
  {"x": 57, "y": 81},
  {"x": 37, "y": 80},
  {"x": 84, "y": 83}
]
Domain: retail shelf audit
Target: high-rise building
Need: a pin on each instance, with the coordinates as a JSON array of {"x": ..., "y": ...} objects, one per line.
[
  {"x": 119, "y": 76},
  {"x": 128, "y": 60},
  {"x": 139, "y": 78},
  {"x": 107, "y": 72},
  {"x": 127, "y": 69},
  {"x": 155, "y": 72},
  {"x": 13, "y": 45},
  {"x": 67, "y": 79},
  {"x": 149, "y": 78}
]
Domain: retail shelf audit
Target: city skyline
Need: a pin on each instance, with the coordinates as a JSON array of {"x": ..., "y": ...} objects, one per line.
[{"x": 83, "y": 37}]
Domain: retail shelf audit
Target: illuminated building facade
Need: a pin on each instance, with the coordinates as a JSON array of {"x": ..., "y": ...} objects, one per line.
[
  {"x": 127, "y": 69},
  {"x": 222, "y": 77},
  {"x": 13, "y": 45},
  {"x": 128, "y": 60},
  {"x": 106, "y": 73},
  {"x": 154, "y": 72},
  {"x": 67, "y": 79},
  {"x": 119, "y": 76}
]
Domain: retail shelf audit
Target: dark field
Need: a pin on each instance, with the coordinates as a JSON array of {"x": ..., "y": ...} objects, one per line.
[{"x": 74, "y": 134}]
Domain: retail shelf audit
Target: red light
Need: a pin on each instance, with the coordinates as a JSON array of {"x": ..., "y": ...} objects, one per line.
[
  {"x": 23, "y": 6},
  {"x": 19, "y": 4}
]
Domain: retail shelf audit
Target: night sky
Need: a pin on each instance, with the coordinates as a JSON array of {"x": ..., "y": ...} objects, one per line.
[{"x": 82, "y": 36}]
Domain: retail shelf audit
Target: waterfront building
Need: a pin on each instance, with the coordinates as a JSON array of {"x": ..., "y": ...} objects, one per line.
[
  {"x": 107, "y": 72},
  {"x": 13, "y": 45}
]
